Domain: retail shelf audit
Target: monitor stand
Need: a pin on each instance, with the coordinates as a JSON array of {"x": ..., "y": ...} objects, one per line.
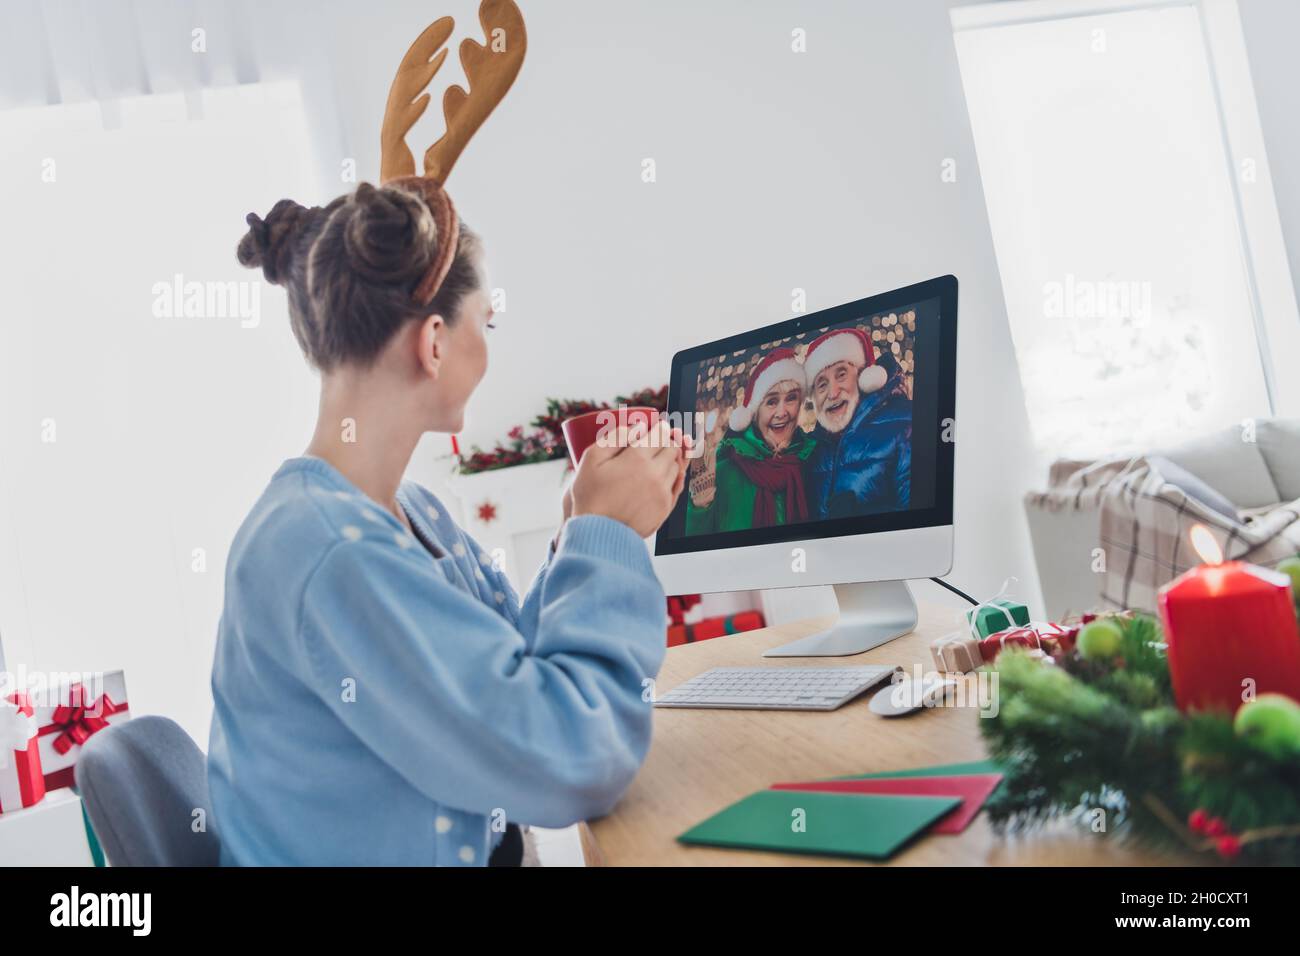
[{"x": 870, "y": 614}]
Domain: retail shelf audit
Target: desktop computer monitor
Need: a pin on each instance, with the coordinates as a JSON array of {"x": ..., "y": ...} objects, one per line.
[{"x": 824, "y": 455}]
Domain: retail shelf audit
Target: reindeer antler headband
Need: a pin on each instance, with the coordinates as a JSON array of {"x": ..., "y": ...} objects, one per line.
[{"x": 490, "y": 70}]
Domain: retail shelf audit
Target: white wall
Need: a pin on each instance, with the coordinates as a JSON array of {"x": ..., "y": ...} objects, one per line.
[
  {"x": 1271, "y": 28},
  {"x": 775, "y": 170},
  {"x": 135, "y": 437}
]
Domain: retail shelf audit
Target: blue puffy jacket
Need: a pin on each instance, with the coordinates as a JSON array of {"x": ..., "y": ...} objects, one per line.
[{"x": 867, "y": 468}]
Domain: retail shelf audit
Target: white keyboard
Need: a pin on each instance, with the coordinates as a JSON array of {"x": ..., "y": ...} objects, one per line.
[{"x": 775, "y": 688}]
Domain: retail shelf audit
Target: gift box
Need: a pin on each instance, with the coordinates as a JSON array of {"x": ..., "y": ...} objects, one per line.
[
  {"x": 51, "y": 833},
  {"x": 74, "y": 713},
  {"x": 1046, "y": 637},
  {"x": 679, "y": 605},
  {"x": 1025, "y": 637},
  {"x": 1056, "y": 639},
  {"x": 956, "y": 653},
  {"x": 993, "y": 617},
  {"x": 714, "y": 627},
  {"x": 22, "y": 781}
]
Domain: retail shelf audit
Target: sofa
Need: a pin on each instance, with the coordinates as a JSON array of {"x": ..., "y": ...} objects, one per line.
[{"x": 1109, "y": 533}]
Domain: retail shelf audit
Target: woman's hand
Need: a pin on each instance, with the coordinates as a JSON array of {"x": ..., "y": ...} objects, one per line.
[{"x": 635, "y": 481}]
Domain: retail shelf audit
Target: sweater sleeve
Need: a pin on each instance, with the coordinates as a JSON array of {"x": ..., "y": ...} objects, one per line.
[
  {"x": 699, "y": 520},
  {"x": 446, "y": 691},
  {"x": 530, "y": 610}
]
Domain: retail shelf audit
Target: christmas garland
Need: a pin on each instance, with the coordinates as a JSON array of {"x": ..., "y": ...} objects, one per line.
[
  {"x": 1094, "y": 735},
  {"x": 545, "y": 440}
]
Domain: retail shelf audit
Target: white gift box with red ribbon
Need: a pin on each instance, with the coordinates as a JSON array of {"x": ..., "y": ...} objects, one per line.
[
  {"x": 22, "y": 782},
  {"x": 73, "y": 713}
]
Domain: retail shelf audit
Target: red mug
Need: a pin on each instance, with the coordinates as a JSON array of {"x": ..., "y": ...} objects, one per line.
[{"x": 581, "y": 432}]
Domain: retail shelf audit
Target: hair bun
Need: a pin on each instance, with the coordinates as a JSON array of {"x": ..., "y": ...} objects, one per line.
[
  {"x": 271, "y": 243},
  {"x": 390, "y": 235}
]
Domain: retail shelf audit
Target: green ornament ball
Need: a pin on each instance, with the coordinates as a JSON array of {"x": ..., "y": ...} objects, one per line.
[
  {"x": 1291, "y": 568},
  {"x": 1099, "y": 640},
  {"x": 1270, "y": 722}
]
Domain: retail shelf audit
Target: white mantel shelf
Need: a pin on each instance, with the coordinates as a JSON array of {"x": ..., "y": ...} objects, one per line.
[{"x": 527, "y": 501}]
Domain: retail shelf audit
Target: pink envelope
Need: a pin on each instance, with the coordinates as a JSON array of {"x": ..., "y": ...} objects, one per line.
[{"x": 973, "y": 789}]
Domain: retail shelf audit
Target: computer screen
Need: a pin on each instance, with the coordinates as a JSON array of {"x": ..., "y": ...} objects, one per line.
[{"x": 833, "y": 423}]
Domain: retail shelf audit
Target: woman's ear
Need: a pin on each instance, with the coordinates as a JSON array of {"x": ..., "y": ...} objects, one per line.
[{"x": 431, "y": 344}]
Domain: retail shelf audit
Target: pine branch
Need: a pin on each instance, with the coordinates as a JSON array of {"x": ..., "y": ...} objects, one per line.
[{"x": 1080, "y": 735}]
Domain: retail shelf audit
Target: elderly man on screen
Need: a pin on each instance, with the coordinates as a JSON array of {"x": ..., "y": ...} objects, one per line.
[{"x": 863, "y": 458}]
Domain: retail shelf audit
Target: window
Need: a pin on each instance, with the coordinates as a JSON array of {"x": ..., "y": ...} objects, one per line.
[
  {"x": 1138, "y": 304},
  {"x": 150, "y": 384}
]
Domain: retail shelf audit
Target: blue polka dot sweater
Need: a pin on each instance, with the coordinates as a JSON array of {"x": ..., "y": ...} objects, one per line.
[{"x": 378, "y": 704}]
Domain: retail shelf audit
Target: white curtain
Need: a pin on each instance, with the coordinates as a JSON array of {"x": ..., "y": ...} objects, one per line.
[
  {"x": 134, "y": 437},
  {"x": 136, "y": 135},
  {"x": 101, "y": 51}
]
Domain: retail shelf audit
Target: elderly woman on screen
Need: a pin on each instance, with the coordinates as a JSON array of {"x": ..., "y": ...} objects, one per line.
[{"x": 758, "y": 480}]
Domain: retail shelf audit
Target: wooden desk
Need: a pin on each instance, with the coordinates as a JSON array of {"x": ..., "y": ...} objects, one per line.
[{"x": 702, "y": 760}]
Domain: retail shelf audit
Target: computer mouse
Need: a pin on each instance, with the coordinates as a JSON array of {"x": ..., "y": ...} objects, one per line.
[{"x": 908, "y": 696}]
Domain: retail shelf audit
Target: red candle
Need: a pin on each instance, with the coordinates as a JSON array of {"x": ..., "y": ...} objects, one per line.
[{"x": 1230, "y": 627}]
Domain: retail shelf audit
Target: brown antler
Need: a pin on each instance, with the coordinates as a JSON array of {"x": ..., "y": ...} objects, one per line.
[
  {"x": 405, "y": 104},
  {"x": 490, "y": 71}
]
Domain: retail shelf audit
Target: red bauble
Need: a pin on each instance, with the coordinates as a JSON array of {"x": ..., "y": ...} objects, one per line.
[{"x": 1228, "y": 846}]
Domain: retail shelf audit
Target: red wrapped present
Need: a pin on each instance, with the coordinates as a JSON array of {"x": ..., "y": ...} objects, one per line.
[
  {"x": 22, "y": 783},
  {"x": 679, "y": 605},
  {"x": 76, "y": 711},
  {"x": 714, "y": 627},
  {"x": 1050, "y": 638},
  {"x": 1025, "y": 637},
  {"x": 744, "y": 621},
  {"x": 1061, "y": 642}
]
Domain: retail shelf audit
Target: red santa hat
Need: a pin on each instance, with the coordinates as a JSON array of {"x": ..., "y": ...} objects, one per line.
[
  {"x": 840, "y": 345},
  {"x": 779, "y": 365}
]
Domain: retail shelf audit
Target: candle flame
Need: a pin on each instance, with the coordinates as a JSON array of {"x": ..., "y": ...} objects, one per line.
[{"x": 1203, "y": 543}]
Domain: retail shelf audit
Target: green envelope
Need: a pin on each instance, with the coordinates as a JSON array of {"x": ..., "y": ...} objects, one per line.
[{"x": 834, "y": 824}]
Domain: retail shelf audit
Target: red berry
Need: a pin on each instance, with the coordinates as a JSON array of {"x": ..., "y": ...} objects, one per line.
[
  {"x": 1228, "y": 846},
  {"x": 1197, "y": 821},
  {"x": 1216, "y": 827}
]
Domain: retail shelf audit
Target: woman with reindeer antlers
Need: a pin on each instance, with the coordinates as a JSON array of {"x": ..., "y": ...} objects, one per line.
[{"x": 381, "y": 696}]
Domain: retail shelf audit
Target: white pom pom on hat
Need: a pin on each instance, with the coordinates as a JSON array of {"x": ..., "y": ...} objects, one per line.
[
  {"x": 779, "y": 365},
  {"x": 845, "y": 345},
  {"x": 871, "y": 378}
]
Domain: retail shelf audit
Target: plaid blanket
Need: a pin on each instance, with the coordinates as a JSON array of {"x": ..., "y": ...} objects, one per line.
[{"x": 1145, "y": 525}]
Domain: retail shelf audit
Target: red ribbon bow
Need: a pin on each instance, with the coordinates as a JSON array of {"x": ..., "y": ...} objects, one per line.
[{"x": 77, "y": 720}]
